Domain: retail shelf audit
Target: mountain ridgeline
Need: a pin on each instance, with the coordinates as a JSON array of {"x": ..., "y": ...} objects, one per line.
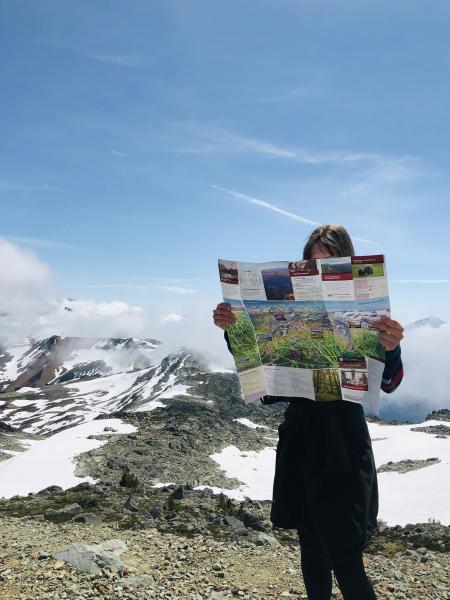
[{"x": 55, "y": 383}]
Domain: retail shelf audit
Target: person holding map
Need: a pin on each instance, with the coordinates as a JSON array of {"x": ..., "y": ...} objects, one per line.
[{"x": 325, "y": 483}]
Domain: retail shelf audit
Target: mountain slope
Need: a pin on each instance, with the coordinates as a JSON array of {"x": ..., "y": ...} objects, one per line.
[{"x": 83, "y": 378}]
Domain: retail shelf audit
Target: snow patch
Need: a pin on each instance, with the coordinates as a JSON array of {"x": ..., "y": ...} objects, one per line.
[
  {"x": 51, "y": 461},
  {"x": 249, "y": 423},
  {"x": 412, "y": 497}
]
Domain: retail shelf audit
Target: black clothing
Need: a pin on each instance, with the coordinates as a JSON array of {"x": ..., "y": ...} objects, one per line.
[
  {"x": 317, "y": 565},
  {"x": 325, "y": 471}
]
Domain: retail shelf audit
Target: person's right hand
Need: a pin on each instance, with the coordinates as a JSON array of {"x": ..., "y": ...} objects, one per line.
[{"x": 223, "y": 315}]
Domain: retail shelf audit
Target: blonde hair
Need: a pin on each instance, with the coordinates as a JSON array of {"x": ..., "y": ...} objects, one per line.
[{"x": 330, "y": 238}]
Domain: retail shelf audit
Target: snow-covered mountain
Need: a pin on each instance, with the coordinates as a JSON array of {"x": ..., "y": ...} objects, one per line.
[
  {"x": 56, "y": 383},
  {"x": 58, "y": 359},
  {"x": 433, "y": 322}
]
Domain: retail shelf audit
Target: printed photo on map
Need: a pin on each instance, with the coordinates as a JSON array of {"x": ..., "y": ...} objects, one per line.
[
  {"x": 326, "y": 384},
  {"x": 277, "y": 283},
  {"x": 242, "y": 338},
  {"x": 293, "y": 334}
]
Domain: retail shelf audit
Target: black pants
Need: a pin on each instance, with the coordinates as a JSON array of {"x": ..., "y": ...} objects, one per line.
[{"x": 317, "y": 567}]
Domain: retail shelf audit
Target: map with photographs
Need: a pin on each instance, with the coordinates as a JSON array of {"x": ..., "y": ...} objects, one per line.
[{"x": 308, "y": 328}]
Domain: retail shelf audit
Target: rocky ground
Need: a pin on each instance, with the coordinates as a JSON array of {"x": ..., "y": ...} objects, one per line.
[
  {"x": 46, "y": 560},
  {"x": 124, "y": 538},
  {"x": 404, "y": 466}
]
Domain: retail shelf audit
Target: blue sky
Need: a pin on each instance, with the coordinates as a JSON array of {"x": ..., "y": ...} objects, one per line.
[{"x": 142, "y": 140}]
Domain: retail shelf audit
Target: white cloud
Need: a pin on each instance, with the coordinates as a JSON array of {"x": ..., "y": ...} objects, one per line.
[
  {"x": 176, "y": 289},
  {"x": 84, "y": 317},
  {"x": 426, "y": 356},
  {"x": 121, "y": 60},
  {"x": 173, "y": 317},
  {"x": 20, "y": 186},
  {"x": 90, "y": 309},
  {"x": 38, "y": 243},
  {"x": 385, "y": 167},
  {"x": 281, "y": 211},
  {"x": 118, "y": 153},
  {"x": 25, "y": 282},
  {"x": 28, "y": 308},
  {"x": 421, "y": 280},
  {"x": 299, "y": 92}
]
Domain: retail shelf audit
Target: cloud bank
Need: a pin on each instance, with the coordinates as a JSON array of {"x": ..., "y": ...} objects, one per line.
[
  {"x": 28, "y": 306},
  {"x": 426, "y": 356}
]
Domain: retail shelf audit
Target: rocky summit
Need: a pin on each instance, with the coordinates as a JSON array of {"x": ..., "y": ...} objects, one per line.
[{"x": 148, "y": 522}]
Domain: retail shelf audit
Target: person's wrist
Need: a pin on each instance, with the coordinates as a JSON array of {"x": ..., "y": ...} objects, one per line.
[{"x": 394, "y": 350}]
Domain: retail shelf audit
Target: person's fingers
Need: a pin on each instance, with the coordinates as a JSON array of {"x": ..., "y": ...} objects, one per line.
[
  {"x": 387, "y": 329},
  {"x": 395, "y": 333},
  {"x": 224, "y": 315},
  {"x": 389, "y": 342},
  {"x": 388, "y": 322},
  {"x": 225, "y": 318},
  {"x": 223, "y": 308},
  {"x": 392, "y": 334}
]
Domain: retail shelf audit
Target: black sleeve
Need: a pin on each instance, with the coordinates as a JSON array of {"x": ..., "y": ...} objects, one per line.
[
  {"x": 227, "y": 339},
  {"x": 393, "y": 370}
]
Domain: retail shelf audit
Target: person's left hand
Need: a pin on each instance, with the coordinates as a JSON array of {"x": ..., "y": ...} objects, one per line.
[{"x": 391, "y": 332}]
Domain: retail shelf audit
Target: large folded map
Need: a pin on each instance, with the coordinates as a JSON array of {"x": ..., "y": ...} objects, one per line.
[{"x": 305, "y": 328}]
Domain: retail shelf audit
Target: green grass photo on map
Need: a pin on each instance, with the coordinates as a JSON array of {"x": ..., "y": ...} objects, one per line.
[
  {"x": 243, "y": 342},
  {"x": 296, "y": 340},
  {"x": 366, "y": 343},
  {"x": 301, "y": 350}
]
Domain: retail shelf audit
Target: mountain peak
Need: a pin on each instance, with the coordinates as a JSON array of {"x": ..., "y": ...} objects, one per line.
[{"x": 433, "y": 322}]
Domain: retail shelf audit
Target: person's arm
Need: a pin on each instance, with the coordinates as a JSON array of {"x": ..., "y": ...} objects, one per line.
[{"x": 393, "y": 370}]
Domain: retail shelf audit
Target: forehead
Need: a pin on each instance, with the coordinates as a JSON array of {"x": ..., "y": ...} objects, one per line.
[{"x": 319, "y": 252}]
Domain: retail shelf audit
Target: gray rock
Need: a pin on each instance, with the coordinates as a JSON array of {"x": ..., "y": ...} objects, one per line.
[
  {"x": 264, "y": 539},
  {"x": 404, "y": 466},
  {"x": 93, "y": 558},
  {"x": 234, "y": 523},
  {"x": 139, "y": 581},
  {"x": 253, "y": 522},
  {"x": 69, "y": 509},
  {"x": 51, "y": 489},
  {"x": 131, "y": 505},
  {"x": 178, "y": 494},
  {"x": 87, "y": 518}
]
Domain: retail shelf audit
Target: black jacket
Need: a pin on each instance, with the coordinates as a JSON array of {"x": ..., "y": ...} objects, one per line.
[{"x": 325, "y": 469}]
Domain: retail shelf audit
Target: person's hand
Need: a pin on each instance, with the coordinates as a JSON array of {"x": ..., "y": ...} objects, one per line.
[
  {"x": 223, "y": 315},
  {"x": 391, "y": 332}
]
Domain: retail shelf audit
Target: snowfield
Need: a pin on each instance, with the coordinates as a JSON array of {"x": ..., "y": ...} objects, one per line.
[
  {"x": 412, "y": 497},
  {"x": 418, "y": 495},
  {"x": 49, "y": 461}
]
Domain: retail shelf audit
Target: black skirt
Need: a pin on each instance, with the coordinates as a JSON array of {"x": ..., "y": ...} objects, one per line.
[{"x": 325, "y": 474}]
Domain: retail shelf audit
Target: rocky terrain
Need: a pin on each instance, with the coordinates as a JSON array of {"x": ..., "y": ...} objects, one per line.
[
  {"x": 176, "y": 542},
  {"x": 44, "y": 560},
  {"x": 129, "y": 533}
]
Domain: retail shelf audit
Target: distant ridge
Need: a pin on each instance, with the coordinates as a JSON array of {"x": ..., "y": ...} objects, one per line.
[{"x": 431, "y": 321}]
